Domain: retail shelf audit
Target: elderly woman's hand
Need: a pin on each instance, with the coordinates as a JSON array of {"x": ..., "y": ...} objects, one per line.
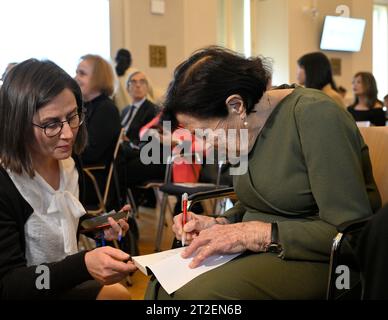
[
  {"x": 227, "y": 239},
  {"x": 117, "y": 229},
  {"x": 195, "y": 223}
]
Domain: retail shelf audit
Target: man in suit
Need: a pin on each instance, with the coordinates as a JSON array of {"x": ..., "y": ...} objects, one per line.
[
  {"x": 142, "y": 110},
  {"x": 133, "y": 118}
]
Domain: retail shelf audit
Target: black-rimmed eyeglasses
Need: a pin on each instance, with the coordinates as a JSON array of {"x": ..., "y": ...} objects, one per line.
[{"x": 54, "y": 128}]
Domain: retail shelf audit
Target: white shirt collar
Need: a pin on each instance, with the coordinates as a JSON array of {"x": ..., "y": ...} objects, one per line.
[
  {"x": 51, "y": 230},
  {"x": 139, "y": 103}
]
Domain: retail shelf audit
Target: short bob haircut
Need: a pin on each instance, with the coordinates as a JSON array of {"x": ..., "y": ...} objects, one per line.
[
  {"x": 29, "y": 86},
  {"x": 370, "y": 89},
  {"x": 318, "y": 71},
  {"x": 102, "y": 78},
  {"x": 203, "y": 82}
]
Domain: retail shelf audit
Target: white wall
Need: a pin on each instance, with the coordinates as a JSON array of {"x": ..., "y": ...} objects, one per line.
[
  {"x": 186, "y": 26},
  {"x": 285, "y": 32},
  {"x": 281, "y": 31},
  {"x": 200, "y": 24},
  {"x": 271, "y": 36}
]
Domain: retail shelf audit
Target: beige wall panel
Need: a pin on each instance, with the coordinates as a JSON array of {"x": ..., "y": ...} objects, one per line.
[
  {"x": 282, "y": 31},
  {"x": 271, "y": 36},
  {"x": 200, "y": 24}
]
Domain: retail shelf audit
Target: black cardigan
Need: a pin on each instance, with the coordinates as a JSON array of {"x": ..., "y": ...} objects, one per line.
[
  {"x": 147, "y": 111},
  {"x": 103, "y": 125},
  {"x": 17, "y": 281},
  {"x": 376, "y": 116}
]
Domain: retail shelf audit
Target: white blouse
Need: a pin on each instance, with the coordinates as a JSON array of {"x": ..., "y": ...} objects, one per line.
[{"x": 51, "y": 230}]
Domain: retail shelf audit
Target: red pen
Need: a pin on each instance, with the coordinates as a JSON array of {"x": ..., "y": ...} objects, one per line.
[{"x": 185, "y": 197}]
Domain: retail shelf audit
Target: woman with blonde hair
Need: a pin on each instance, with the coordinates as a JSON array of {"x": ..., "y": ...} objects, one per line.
[{"x": 96, "y": 79}]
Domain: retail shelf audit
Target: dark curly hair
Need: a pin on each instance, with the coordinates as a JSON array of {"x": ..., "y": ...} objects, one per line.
[{"x": 205, "y": 80}]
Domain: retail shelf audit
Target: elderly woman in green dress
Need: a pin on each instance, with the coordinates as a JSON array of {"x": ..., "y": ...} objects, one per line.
[{"x": 308, "y": 171}]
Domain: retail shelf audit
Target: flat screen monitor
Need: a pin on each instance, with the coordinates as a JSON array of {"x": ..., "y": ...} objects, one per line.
[{"x": 342, "y": 34}]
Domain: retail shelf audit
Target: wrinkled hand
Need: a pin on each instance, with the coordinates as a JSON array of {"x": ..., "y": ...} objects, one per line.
[
  {"x": 108, "y": 265},
  {"x": 118, "y": 228},
  {"x": 227, "y": 239},
  {"x": 195, "y": 223}
]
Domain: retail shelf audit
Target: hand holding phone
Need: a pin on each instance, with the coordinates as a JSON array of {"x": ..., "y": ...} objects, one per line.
[{"x": 102, "y": 222}]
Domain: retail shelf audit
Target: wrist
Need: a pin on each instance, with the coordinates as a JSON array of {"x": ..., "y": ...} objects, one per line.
[
  {"x": 221, "y": 220},
  {"x": 256, "y": 235}
]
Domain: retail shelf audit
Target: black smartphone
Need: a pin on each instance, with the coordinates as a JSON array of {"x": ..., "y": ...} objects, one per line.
[{"x": 102, "y": 220}]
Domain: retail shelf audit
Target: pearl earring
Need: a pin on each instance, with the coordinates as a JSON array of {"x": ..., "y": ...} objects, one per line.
[{"x": 245, "y": 122}]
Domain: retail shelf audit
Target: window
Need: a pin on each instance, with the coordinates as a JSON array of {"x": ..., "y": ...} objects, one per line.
[
  {"x": 59, "y": 30},
  {"x": 380, "y": 48}
]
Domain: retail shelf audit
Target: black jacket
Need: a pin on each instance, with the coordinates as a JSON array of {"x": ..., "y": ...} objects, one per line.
[
  {"x": 376, "y": 116},
  {"x": 17, "y": 281},
  {"x": 103, "y": 125},
  {"x": 147, "y": 111}
]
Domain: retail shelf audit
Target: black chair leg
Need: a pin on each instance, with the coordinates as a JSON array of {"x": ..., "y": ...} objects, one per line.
[
  {"x": 162, "y": 215},
  {"x": 132, "y": 202}
]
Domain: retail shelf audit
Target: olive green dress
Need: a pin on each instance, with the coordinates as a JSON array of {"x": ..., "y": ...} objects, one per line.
[{"x": 309, "y": 171}]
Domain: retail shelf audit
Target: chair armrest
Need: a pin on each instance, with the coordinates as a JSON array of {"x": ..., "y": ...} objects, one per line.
[
  {"x": 353, "y": 225},
  {"x": 213, "y": 194}
]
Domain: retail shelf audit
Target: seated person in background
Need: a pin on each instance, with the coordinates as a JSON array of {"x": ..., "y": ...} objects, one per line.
[
  {"x": 153, "y": 172},
  {"x": 133, "y": 118},
  {"x": 95, "y": 78},
  {"x": 314, "y": 71},
  {"x": 366, "y": 106},
  {"x": 308, "y": 171},
  {"x": 39, "y": 206},
  {"x": 141, "y": 111}
]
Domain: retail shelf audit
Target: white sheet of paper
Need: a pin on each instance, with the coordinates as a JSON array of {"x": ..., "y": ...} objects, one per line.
[
  {"x": 149, "y": 259},
  {"x": 173, "y": 272}
]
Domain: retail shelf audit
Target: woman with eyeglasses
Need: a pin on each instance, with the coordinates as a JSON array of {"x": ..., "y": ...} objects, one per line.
[
  {"x": 307, "y": 170},
  {"x": 95, "y": 78},
  {"x": 41, "y": 125}
]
